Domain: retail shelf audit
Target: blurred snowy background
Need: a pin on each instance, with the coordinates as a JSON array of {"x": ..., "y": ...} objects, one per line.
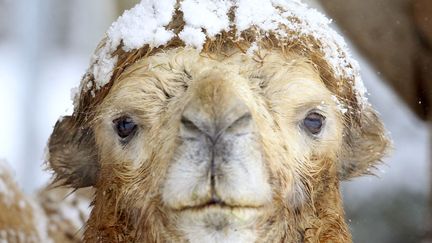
[{"x": 45, "y": 46}]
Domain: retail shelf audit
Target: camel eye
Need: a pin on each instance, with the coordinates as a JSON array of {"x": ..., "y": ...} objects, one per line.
[
  {"x": 314, "y": 122},
  {"x": 125, "y": 127}
]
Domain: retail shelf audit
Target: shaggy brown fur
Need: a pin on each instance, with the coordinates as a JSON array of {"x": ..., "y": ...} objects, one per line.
[{"x": 278, "y": 84}]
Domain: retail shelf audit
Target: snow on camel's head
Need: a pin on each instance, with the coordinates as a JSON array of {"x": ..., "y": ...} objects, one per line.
[{"x": 219, "y": 120}]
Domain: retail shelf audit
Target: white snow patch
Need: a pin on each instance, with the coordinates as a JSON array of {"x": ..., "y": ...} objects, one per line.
[
  {"x": 146, "y": 24},
  {"x": 192, "y": 37},
  {"x": 342, "y": 108},
  {"x": 211, "y": 15},
  {"x": 103, "y": 68},
  {"x": 143, "y": 24},
  {"x": 360, "y": 89},
  {"x": 252, "y": 49},
  {"x": 262, "y": 14}
]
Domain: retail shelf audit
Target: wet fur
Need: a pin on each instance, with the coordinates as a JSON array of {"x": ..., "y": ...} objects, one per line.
[
  {"x": 155, "y": 84},
  {"x": 128, "y": 204}
]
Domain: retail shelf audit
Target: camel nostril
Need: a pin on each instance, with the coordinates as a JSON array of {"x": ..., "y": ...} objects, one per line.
[
  {"x": 188, "y": 124},
  {"x": 189, "y": 129},
  {"x": 240, "y": 123}
]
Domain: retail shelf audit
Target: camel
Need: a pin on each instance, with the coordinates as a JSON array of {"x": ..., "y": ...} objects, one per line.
[{"x": 243, "y": 135}]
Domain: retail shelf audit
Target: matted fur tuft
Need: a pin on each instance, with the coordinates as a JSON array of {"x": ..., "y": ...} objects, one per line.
[{"x": 73, "y": 155}]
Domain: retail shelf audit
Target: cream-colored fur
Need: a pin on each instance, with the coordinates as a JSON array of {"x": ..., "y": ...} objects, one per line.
[
  {"x": 220, "y": 154},
  {"x": 274, "y": 176}
]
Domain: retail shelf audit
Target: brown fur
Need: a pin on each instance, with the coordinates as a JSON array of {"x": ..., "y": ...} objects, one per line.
[{"x": 155, "y": 88}]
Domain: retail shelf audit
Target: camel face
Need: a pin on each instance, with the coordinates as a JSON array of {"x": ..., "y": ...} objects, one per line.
[
  {"x": 222, "y": 145},
  {"x": 235, "y": 132}
]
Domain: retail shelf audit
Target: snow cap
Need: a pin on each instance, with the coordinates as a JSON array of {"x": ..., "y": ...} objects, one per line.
[{"x": 150, "y": 24}]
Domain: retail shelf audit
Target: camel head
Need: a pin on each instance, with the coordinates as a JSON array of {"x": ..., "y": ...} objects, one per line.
[{"x": 216, "y": 144}]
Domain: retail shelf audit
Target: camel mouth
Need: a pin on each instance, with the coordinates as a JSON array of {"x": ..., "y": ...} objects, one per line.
[{"x": 219, "y": 205}]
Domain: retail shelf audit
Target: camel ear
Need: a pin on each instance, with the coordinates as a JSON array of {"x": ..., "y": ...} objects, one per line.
[
  {"x": 73, "y": 155},
  {"x": 365, "y": 144}
]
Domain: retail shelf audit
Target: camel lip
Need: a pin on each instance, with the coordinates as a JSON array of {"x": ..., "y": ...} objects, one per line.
[{"x": 217, "y": 204}]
